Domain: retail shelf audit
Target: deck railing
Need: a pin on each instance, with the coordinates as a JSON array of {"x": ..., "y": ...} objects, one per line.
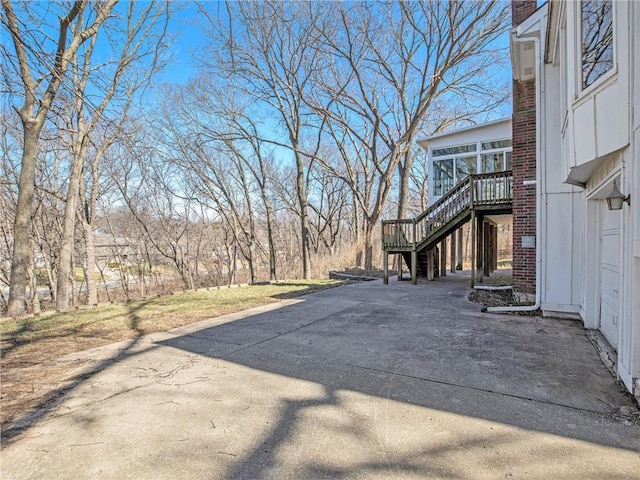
[{"x": 476, "y": 190}]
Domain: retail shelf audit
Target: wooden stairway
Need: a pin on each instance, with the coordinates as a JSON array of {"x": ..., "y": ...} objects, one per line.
[
  {"x": 423, "y": 262},
  {"x": 413, "y": 237}
]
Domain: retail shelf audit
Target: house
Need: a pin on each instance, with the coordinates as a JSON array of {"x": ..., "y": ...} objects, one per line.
[
  {"x": 576, "y": 68},
  {"x": 575, "y": 148},
  {"x": 113, "y": 250}
]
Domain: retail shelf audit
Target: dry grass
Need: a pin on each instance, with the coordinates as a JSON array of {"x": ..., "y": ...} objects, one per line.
[{"x": 29, "y": 346}]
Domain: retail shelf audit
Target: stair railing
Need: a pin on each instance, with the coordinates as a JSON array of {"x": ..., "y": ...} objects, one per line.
[{"x": 481, "y": 189}]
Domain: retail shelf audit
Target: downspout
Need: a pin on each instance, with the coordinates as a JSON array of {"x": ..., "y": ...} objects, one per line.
[{"x": 536, "y": 305}]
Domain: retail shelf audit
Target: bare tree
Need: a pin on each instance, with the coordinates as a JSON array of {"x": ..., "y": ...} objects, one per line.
[
  {"x": 9, "y": 142},
  {"x": 328, "y": 202},
  {"x": 137, "y": 39},
  {"x": 419, "y": 176},
  {"x": 41, "y": 73},
  {"x": 267, "y": 50},
  {"x": 212, "y": 114},
  {"x": 390, "y": 66},
  {"x": 219, "y": 179},
  {"x": 145, "y": 187}
]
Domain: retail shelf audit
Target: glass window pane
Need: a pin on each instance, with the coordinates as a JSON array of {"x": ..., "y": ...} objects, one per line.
[
  {"x": 597, "y": 40},
  {"x": 465, "y": 166},
  {"x": 438, "y": 152},
  {"x": 492, "y": 162},
  {"x": 509, "y": 160},
  {"x": 442, "y": 176},
  {"x": 496, "y": 144}
]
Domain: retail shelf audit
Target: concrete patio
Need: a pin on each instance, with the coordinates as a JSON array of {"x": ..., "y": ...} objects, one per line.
[{"x": 361, "y": 381}]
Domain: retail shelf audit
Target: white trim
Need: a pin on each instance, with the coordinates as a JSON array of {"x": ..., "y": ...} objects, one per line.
[{"x": 464, "y": 129}]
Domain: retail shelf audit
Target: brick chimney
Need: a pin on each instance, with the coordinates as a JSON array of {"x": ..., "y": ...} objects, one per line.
[
  {"x": 524, "y": 168},
  {"x": 521, "y": 10}
]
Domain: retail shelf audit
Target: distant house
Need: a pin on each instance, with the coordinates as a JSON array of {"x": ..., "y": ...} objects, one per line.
[{"x": 110, "y": 250}]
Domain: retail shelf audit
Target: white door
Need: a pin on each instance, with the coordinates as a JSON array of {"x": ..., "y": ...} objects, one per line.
[{"x": 609, "y": 273}]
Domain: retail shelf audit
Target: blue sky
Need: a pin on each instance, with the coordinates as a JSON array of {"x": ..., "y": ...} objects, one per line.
[
  {"x": 190, "y": 42},
  {"x": 189, "y": 39}
]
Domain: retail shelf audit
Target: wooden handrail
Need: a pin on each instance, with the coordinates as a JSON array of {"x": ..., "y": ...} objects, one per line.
[{"x": 475, "y": 190}]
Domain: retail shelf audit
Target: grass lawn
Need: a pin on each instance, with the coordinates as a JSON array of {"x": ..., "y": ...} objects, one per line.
[{"x": 29, "y": 346}]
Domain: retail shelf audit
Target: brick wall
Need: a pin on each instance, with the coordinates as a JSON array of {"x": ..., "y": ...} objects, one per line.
[
  {"x": 524, "y": 168},
  {"x": 521, "y": 10}
]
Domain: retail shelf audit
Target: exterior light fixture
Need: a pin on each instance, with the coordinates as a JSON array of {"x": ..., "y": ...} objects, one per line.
[{"x": 616, "y": 198}]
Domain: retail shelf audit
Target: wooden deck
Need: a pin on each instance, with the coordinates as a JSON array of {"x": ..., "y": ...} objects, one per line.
[{"x": 477, "y": 195}]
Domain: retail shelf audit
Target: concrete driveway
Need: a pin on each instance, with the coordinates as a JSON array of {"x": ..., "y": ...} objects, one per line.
[{"x": 361, "y": 381}]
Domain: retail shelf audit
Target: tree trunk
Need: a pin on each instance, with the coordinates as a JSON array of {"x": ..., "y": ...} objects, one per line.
[
  {"x": 33, "y": 281},
  {"x": 304, "y": 219},
  {"x": 74, "y": 284},
  {"x": 368, "y": 247},
  {"x": 90, "y": 264},
  {"x": 272, "y": 247},
  {"x": 22, "y": 228},
  {"x": 404, "y": 171},
  {"x": 233, "y": 265},
  {"x": 251, "y": 236},
  {"x": 63, "y": 289}
]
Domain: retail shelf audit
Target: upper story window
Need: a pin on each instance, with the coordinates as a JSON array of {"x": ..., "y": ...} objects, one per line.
[
  {"x": 496, "y": 144},
  {"x": 597, "y": 40},
  {"x": 438, "y": 152},
  {"x": 453, "y": 164}
]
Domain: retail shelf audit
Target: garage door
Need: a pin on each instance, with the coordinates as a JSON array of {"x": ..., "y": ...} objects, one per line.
[{"x": 609, "y": 273}]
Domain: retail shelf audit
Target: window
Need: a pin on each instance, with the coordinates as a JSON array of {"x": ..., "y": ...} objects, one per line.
[
  {"x": 496, "y": 144},
  {"x": 492, "y": 162},
  {"x": 452, "y": 165},
  {"x": 465, "y": 166},
  {"x": 597, "y": 40},
  {"x": 442, "y": 176},
  {"x": 438, "y": 152}
]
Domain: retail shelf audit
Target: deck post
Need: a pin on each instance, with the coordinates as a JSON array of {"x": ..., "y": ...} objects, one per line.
[
  {"x": 414, "y": 255},
  {"x": 430, "y": 264},
  {"x": 480, "y": 237},
  {"x": 488, "y": 250},
  {"x": 460, "y": 245},
  {"x": 385, "y": 260},
  {"x": 473, "y": 232},
  {"x": 385, "y": 267},
  {"x": 473, "y": 248},
  {"x": 453, "y": 253},
  {"x": 494, "y": 267},
  {"x": 414, "y": 267},
  {"x": 443, "y": 257}
]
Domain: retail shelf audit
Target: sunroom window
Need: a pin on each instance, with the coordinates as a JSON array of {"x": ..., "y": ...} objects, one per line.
[
  {"x": 493, "y": 162},
  {"x": 438, "y": 152},
  {"x": 597, "y": 40},
  {"x": 452, "y": 165},
  {"x": 465, "y": 166},
  {"x": 442, "y": 176}
]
